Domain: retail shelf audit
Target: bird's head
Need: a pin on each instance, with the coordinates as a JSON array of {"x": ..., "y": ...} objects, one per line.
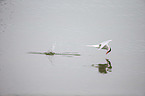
[{"x": 108, "y": 51}]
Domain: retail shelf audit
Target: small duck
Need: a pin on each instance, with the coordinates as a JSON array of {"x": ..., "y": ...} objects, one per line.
[{"x": 103, "y": 45}]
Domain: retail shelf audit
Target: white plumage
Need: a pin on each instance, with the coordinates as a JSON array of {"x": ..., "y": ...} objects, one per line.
[{"x": 103, "y": 45}]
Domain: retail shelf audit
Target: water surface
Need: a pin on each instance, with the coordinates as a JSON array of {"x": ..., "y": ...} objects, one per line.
[{"x": 34, "y": 26}]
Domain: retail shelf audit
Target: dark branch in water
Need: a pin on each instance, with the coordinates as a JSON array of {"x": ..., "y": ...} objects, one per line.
[
  {"x": 35, "y": 53},
  {"x": 67, "y": 54},
  {"x": 52, "y": 53}
]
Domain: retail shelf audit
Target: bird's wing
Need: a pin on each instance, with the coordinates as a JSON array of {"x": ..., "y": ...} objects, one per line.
[
  {"x": 104, "y": 43},
  {"x": 97, "y": 46},
  {"x": 106, "y": 47}
]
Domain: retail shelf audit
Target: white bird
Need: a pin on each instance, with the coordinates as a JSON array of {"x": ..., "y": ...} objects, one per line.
[{"x": 103, "y": 45}]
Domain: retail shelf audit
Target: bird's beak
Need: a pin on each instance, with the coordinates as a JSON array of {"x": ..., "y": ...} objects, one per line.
[{"x": 107, "y": 52}]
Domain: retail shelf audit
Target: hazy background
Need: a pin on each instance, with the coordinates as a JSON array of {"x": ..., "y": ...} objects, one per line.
[{"x": 35, "y": 25}]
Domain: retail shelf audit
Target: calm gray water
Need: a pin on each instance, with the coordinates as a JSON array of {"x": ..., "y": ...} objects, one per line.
[{"x": 35, "y": 26}]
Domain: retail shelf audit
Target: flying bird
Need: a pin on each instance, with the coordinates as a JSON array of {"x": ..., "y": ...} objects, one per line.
[{"x": 103, "y": 45}]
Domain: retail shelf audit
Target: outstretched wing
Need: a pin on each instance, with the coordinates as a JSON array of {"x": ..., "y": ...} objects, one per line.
[
  {"x": 106, "y": 47},
  {"x": 104, "y": 44},
  {"x": 97, "y": 46}
]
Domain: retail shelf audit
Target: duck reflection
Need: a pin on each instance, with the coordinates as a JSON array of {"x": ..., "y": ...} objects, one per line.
[{"x": 104, "y": 68}]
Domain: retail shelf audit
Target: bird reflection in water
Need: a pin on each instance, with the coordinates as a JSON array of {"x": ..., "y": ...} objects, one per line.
[{"x": 104, "y": 68}]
